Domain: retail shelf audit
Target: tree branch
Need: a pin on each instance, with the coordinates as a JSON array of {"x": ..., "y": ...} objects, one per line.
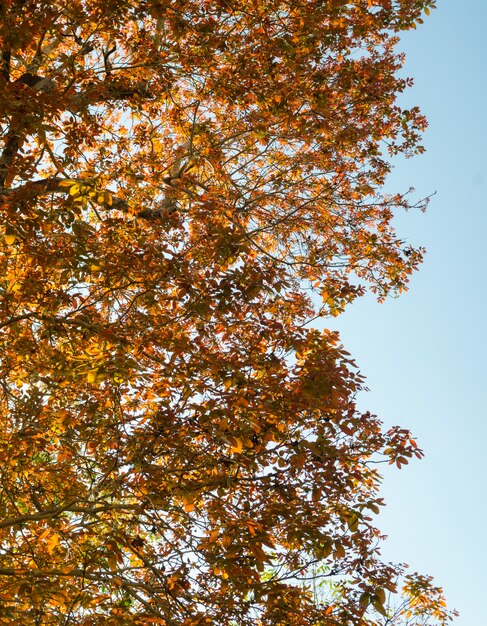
[
  {"x": 70, "y": 507},
  {"x": 9, "y": 152},
  {"x": 5, "y": 65},
  {"x": 44, "y": 186},
  {"x": 17, "y": 318}
]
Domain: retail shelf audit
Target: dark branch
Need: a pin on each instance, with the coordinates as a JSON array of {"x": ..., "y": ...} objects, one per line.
[
  {"x": 5, "y": 65},
  {"x": 9, "y": 153}
]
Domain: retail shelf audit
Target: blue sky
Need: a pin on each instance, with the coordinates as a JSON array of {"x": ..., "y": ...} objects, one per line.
[{"x": 424, "y": 353}]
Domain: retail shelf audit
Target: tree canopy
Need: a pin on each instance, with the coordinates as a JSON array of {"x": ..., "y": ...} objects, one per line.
[{"x": 185, "y": 185}]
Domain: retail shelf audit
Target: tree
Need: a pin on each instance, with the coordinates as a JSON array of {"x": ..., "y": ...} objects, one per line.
[{"x": 185, "y": 185}]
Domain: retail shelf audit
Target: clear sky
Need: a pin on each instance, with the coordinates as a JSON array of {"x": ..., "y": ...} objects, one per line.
[{"x": 424, "y": 354}]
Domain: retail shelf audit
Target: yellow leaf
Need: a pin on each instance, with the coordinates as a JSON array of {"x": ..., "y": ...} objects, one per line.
[
  {"x": 52, "y": 542},
  {"x": 43, "y": 534},
  {"x": 237, "y": 444},
  {"x": 91, "y": 376},
  {"x": 93, "y": 350},
  {"x": 10, "y": 238},
  {"x": 14, "y": 286}
]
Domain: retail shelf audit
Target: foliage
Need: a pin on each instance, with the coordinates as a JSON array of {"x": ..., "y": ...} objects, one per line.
[
  {"x": 419, "y": 604},
  {"x": 179, "y": 181}
]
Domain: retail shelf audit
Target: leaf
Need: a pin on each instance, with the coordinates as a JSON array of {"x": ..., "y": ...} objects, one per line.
[
  {"x": 52, "y": 542},
  {"x": 188, "y": 503},
  {"x": 364, "y": 600},
  {"x": 326, "y": 548},
  {"x": 352, "y": 520},
  {"x": 257, "y": 551},
  {"x": 108, "y": 198},
  {"x": 92, "y": 375},
  {"x": 112, "y": 562},
  {"x": 377, "y": 604},
  {"x": 339, "y": 551},
  {"x": 236, "y": 445},
  {"x": 381, "y": 595},
  {"x": 10, "y": 238},
  {"x": 93, "y": 350}
]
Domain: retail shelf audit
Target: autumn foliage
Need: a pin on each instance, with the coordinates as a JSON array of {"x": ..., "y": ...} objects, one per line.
[{"x": 185, "y": 185}]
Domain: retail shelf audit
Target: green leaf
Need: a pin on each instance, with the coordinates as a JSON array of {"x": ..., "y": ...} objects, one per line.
[{"x": 376, "y": 603}]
